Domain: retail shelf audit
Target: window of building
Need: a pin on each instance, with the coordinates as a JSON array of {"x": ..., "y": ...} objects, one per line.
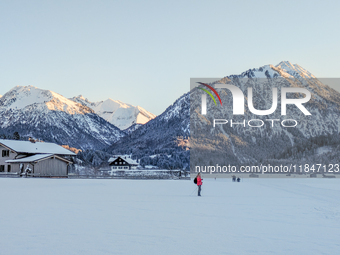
[
  {"x": 8, "y": 168},
  {"x": 5, "y": 153},
  {"x": 2, "y": 168}
]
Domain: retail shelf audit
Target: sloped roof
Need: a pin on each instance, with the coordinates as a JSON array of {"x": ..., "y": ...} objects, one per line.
[
  {"x": 34, "y": 158},
  {"x": 36, "y": 148},
  {"x": 125, "y": 158}
]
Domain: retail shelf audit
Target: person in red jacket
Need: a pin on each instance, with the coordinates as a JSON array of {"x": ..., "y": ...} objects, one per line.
[{"x": 199, "y": 183}]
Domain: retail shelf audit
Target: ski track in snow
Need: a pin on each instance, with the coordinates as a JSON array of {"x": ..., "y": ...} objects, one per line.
[{"x": 255, "y": 216}]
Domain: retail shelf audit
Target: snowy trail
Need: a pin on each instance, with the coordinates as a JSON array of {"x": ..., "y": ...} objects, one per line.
[{"x": 256, "y": 216}]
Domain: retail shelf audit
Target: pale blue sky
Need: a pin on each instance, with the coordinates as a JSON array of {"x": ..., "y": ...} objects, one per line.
[{"x": 145, "y": 52}]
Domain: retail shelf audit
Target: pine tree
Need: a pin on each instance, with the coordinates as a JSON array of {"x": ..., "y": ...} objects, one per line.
[{"x": 16, "y": 135}]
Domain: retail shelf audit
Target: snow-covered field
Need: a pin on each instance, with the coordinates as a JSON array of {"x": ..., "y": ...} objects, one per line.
[{"x": 255, "y": 216}]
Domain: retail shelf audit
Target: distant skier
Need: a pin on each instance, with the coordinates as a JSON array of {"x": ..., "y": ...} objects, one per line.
[
  {"x": 238, "y": 179},
  {"x": 199, "y": 183}
]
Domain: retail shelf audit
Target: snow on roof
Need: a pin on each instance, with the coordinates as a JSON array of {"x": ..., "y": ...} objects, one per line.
[
  {"x": 37, "y": 147},
  {"x": 33, "y": 158},
  {"x": 29, "y": 159},
  {"x": 127, "y": 158}
]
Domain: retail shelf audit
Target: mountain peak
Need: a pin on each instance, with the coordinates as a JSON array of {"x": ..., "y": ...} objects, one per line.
[
  {"x": 284, "y": 68},
  {"x": 116, "y": 112},
  {"x": 294, "y": 69},
  {"x": 115, "y": 104},
  {"x": 81, "y": 97},
  {"x": 265, "y": 71},
  {"x": 285, "y": 65},
  {"x": 21, "y": 97}
]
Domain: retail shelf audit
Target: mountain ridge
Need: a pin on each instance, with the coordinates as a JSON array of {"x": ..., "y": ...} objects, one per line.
[
  {"x": 235, "y": 143},
  {"x": 165, "y": 141},
  {"x": 116, "y": 112},
  {"x": 169, "y": 148},
  {"x": 51, "y": 117}
]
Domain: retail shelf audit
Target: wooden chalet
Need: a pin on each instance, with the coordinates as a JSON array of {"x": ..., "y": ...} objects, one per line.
[
  {"x": 121, "y": 162},
  {"x": 38, "y": 159}
]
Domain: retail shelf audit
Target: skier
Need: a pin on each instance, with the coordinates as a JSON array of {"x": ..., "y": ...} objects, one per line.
[{"x": 199, "y": 183}]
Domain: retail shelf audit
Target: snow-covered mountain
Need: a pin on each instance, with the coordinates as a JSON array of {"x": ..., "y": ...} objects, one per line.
[
  {"x": 248, "y": 145},
  {"x": 116, "y": 112},
  {"x": 49, "y": 116},
  {"x": 164, "y": 141}
]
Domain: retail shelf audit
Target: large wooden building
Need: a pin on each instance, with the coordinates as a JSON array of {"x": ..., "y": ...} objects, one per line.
[{"x": 38, "y": 159}]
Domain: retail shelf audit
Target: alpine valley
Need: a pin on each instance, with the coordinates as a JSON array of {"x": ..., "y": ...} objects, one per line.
[{"x": 181, "y": 136}]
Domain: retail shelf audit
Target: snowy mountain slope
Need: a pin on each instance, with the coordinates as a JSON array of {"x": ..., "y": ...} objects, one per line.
[
  {"x": 21, "y": 97},
  {"x": 165, "y": 136},
  {"x": 51, "y": 117},
  {"x": 292, "y": 69},
  {"x": 284, "y": 69},
  {"x": 168, "y": 133},
  {"x": 132, "y": 128},
  {"x": 117, "y": 113},
  {"x": 245, "y": 144}
]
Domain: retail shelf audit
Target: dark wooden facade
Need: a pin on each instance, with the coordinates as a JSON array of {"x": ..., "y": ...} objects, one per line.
[{"x": 120, "y": 163}]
